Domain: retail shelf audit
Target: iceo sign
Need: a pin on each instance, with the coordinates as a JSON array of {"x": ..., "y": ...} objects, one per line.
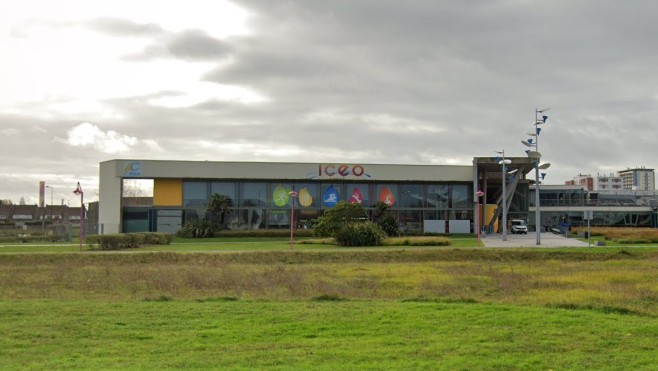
[{"x": 340, "y": 170}]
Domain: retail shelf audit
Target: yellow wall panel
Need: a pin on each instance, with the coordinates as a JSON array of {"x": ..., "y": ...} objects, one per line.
[
  {"x": 489, "y": 213},
  {"x": 168, "y": 192}
]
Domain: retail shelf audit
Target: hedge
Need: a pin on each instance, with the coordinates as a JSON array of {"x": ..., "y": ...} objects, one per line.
[{"x": 127, "y": 240}]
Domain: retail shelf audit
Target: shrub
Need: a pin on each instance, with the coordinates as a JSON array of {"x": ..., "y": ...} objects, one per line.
[
  {"x": 381, "y": 215},
  {"x": 283, "y": 232},
  {"x": 127, "y": 240},
  {"x": 417, "y": 241},
  {"x": 389, "y": 225},
  {"x": 360, "y": 234},
  {"x": 333, "y": 220},
  {"x": 197, "y": 228}
]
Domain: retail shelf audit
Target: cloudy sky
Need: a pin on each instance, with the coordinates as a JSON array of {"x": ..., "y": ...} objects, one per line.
[{"x": 368, "y": 81}]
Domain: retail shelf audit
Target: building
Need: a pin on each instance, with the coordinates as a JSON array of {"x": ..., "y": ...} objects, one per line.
[
  {"x": 260, "y": 192},
  {"x": 611, "y": 182},
  {"x": 584, "y": 180},
  {"x": 424, "y": 198},
  {"x": 638, "y": 179},
  {"x": 33, "y": 214}
]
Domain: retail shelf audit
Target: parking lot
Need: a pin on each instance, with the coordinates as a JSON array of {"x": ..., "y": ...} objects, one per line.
[{"x": 547, "y": 240}]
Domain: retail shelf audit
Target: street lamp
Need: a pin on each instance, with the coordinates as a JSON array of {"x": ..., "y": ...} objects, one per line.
[
  {"x": 292, "y": 194},
  {"x": 51, "y": 203},
  {"x": 536, "y": 156},
  {"x": 78, "y": 191},
  {"x": 478, "y": 194},
  {"x": 504, "y": 162}
]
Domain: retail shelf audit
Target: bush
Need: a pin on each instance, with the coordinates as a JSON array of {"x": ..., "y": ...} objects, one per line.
[
  {"x": 381, "y": 214},
  {"x": 417, "y": 241},
  {"x": 127, "y": 240},
  {"x": 389, "y": 225},
  {"x": 197, "y": 228},
  {"x": 335, "y": 219},
  {"x": 360, "y": 234},
  {"x": 283, "y": 232}
]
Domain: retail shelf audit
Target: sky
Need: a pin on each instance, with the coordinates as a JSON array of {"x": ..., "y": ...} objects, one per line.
[{"x": 368, "y": 81}]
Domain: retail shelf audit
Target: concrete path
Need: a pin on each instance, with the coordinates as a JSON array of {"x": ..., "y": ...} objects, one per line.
[{"x": 530, "y": 240}]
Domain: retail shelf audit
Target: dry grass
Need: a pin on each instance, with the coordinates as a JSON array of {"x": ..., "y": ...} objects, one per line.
[
  {"x": 623, "y": 282},
  {"x": 417, "y": 241},
  {"x": 392, "y": 241},
  {"x": 624, "y": 235}
]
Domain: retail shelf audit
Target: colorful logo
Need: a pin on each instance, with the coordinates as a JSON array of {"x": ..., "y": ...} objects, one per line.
[
  {"x": 387, "y": 197},
  {"x": 133, "y": 168},
  {"x": 339, "y": 170},
  {"x": 356, "y": 197},
  {"x": 305, "y": 198},
  {"x": 330, "y": 197},
  {"x": 280, "y": 196}
]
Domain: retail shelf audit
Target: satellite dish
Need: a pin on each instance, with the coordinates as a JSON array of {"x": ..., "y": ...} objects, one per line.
[
  {"x": 533, "y": 154},
  {"x": 544, "y": 166}
]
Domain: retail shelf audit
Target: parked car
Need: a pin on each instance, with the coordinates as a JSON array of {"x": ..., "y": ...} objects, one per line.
[{"x": 519, "y": 226}]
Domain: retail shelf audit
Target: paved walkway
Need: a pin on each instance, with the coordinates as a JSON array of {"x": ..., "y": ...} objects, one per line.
[{"x": 530, "y": 240}]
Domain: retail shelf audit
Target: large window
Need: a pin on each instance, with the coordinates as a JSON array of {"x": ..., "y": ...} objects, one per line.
[
  {"x": 411, "y": 196},
  {"x": 253, "y": 194},
  {"x": 438, "y": 196},
  {"x": 195, "y": 194},
  {"x": 226, "y": 189},
  {"x": 461, "y": 197}
]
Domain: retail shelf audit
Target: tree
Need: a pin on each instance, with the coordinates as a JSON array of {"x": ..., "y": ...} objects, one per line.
[
  {"x": 21, "y": 201},
  {"x": 382, "y": 216},
  {"x": 219, "y": 207},
  {"x": 338, "y": 217},
  {"x": 133, "y": 188}
]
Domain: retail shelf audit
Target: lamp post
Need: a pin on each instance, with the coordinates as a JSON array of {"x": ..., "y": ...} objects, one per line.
[
  {"x": 292, "y": 194},
  {"x": 478, "y": 194},
  {"x": 536, "y": 155},
  {"x": 51, "y": 203},
  {"x": 78, "y": 191},
  {"x": 504, "y": 162}
]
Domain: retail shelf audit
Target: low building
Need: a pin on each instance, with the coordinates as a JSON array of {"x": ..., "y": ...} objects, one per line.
[{"x": 423, "y": 198}]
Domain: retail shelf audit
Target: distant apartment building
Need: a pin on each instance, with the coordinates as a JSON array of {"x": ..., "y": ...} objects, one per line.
[
  {"x": 638, "y": 179},
  {"x": 611, "y": 182},
  {"x": 584, "y": 180}
]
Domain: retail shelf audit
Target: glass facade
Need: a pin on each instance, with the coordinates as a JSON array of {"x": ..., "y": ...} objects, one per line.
[{"x": 267, "y": 204}]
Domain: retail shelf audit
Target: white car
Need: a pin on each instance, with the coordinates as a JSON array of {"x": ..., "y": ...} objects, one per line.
[{"x": 518, "y": 226}]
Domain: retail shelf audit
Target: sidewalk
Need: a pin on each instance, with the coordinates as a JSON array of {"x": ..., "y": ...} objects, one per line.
[{"x": 530, "y": 240}]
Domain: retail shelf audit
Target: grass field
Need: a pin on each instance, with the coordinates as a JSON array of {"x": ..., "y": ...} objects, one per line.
[
  {"x": 318, "y": 335},
  {"x": 322, "y": 307}
]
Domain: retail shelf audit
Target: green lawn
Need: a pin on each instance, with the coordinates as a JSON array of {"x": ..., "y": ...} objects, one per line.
[
  {"x": 323, "y": 307},
  {"x": 318, "y": 335}
]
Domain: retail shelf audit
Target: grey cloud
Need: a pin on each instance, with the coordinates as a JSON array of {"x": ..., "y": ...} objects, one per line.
[
  {"x": 470, "y": 73},
  {"x": 194, "y": 45},
  {"x": 124, "y": 27},
  {"x": 197, "y": 45}
]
